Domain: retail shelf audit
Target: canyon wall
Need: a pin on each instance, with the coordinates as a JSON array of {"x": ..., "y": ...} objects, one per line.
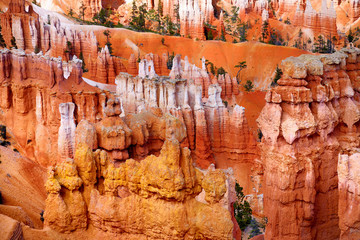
[
  {"x": 217, "y": 130},
  {"x": 322, "y": 22},
  {"x": 33, "y": 85},
  {"x": 354, "y": 10},
  {"x": 191, "y": 19},
  {"x": 310, "y": 128},
  {"x": 32, "y": 33},
  {"x": 97, "y": 187}
]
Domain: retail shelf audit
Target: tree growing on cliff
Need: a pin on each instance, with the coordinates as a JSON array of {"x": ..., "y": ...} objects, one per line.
[
  {"x": 278, "y": 75},
  {"x": 108, "y": 43},
  {"x": 83, "y": 65},
  {"x": 221, "y": 71},
  {"x": 71, "y": 12},
  {"x": 248, "y": 86},
  {"x": 222, "y": 36},
  {"x": 82, "y": 10},
  {"x": 138, "y": 17},
  {"x": 212, "y": 67},
  {"x": 170, "y": 28},
  {"x": 241, "y": 65},
  {"x": 102, "y": 16},
  {"x": 13, "y": 42},
  {"x": 287, "y": 21},
  {"x": 265, "y": 30},
  {"x": 242, "y": 29},
  {"x": 234, "y": 14},
  {"x": 2, "y": 41},
  {"x": 177, "y": 12},
  {"x": 169, "y": 62},
  {"x": 242, "y": 209}
]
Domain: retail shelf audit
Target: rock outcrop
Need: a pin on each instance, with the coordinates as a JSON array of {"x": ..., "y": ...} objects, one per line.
[
  {"x": 354, "y": 10},
  {"x": 21, "y": 25},
  {"x": 349, "y": 184},
  {"x": 309, "y": 150},
  {"x": 99, "y": 191},
  {"x": 322, "y": 22},
  {"x": 191, "y": 19},
  {"x": 66, "y": 136},
  {"x": 32, "y": 33},
  {"x": 215, "y": 133},
  {"x": 32, "y": 87},
  {"x": 106, "y": 68}
]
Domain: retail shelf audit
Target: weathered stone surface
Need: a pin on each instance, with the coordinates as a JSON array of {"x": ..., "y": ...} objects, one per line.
[
  {"x": 310, "y": 150},
  {"x": 167, "y": 183}
]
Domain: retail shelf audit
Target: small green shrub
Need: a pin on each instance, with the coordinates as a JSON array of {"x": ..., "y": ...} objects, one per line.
[
  {"x": 13, "y": 42},
  {"x": 225, "y": 103},
  {"x": 242, "y": 209},
  {"x": 221, "y": 71},
  {"x": 248, "y": 86},
  {"x": 260, "y": 135},
  {"x": 42, "y": 216},
  {"x": 169, "y": 62},
  {"x": 278, "y": 75}
]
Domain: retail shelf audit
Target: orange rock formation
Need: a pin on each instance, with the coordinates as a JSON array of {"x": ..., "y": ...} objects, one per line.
[
  {"x": 322, "y": 22},
  {"x": 309, "y": 125},
  {"x": 168, "y": 182}
]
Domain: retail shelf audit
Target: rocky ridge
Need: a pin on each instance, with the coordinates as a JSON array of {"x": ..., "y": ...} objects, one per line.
[
  {"x": 94, "y": 184},
  {"x": 310, "y": 145}
]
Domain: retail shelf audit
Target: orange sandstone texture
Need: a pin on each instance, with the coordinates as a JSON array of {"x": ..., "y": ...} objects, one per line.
[
  {"x": 167, "y": 183},
  {"x": 309, "y": 125}
]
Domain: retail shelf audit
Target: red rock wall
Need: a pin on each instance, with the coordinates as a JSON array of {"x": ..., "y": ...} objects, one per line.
[
  {"x": 308, "y": 120},
  {"x": 216, "y": 133},
  {"x": 354, "y": 10},
  {"x": 322, "y": 22},
  {"x": 32, "y": 88}
]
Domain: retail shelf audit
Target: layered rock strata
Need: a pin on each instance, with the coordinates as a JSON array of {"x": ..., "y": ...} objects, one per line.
[
  {"x": 32, "y": 87},
  {"x": 191, "y": 19},
  {"x": 354, "y": 10},
  {"x": 215, "y": 133},
  {"x": 36, "y": 34},
  {"x": 21, "y": 25},
  {"x": 310, "y": 133},
  {"x": 322, "y": 22},
  {"x": 96, "y": 190}
]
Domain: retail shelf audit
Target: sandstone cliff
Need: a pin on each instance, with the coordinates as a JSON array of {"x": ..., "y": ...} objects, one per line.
[
  {"x": 322, "y": 22},
  {"x": 310, "y": 139},
  {"x": 97, "y": 189}
]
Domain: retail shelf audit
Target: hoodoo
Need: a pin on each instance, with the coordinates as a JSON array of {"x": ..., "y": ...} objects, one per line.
[{"x": 179, "y": 119}]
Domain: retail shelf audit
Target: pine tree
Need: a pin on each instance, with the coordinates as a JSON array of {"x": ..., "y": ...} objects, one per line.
[
  {"x": 138, "y": 17},
  {"x": 2, "y": 41},
  {"x": 71, "y": 12},
  {"x": 82, "y": 10},
  {"x": 83, "y": 66},
  {"x": 240, "y": 66},
  {"x": 108, "y": 43},
  {"x": 248, "y": 86},
  {"x": 222, "y": 36},
  {"x": 13, "y": 42},
  {"x": 278, "y": 74},
  {"x": 242, "y": 32},
  {"x": 265, "y": 30},
  {"x": 242, "y": 209}
]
